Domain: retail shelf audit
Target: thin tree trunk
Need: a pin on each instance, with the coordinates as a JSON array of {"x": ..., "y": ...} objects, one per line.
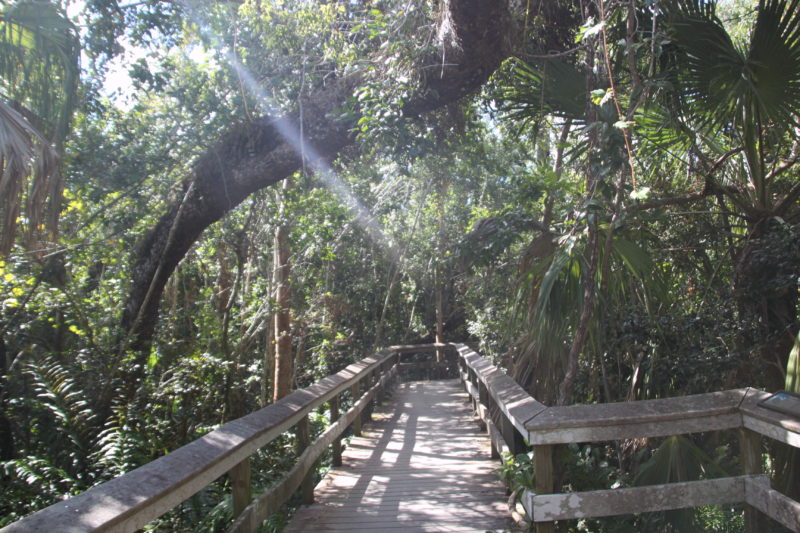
[
  {"x": 282, "y": 383},
  {"x": 437, "y": 271},
  {"x": 300, "y": 353},
  {"x": 6, "y": 434},
  {"x": 592, "y": 246},
  {"x": 439, "y": 297},
  {"x": 233, "y": 406},
  {"x": 269, "y": 354},
  {"x": 397, "y": 269},
  {"x": 582, "y": 331}
]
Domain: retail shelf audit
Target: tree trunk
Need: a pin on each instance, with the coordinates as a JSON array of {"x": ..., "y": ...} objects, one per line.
[
  {"x": 396, "y": 269},
  {"x": 770, "y": 256},
  {"x": 439, "y": 297},
  {"x": 438, "y": 282},
  {"x": 282, "y": 383},
  {"x": 475, "y": 37},
  {"x": 6, "y": 433},
  {"x": 593, "y": 242}
]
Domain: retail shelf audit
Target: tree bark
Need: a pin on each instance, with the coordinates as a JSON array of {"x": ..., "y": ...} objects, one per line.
[
  {"x": 475, "y": 37},
  {"x": 6, "y": 433},
  {"x": 282, "y": 382},
  {"x": 567, "y": 384}
]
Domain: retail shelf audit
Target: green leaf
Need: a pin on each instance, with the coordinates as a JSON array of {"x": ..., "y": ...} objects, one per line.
[
  {"x": 640, "y": 194},
  {"x": 589, "y": 29},
  {"x": 793, "y": 368}
]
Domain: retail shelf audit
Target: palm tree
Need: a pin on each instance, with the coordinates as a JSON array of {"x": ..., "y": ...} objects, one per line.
[
  {"x": 39, "y": 75},
  {"x": 740, "y": 105}
]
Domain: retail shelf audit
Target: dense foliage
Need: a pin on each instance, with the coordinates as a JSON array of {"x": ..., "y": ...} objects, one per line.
[{"x": 615, "y": 217}]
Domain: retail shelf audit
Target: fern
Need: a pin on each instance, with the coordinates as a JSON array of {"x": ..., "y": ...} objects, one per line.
[{"x": 60, "y": 394}]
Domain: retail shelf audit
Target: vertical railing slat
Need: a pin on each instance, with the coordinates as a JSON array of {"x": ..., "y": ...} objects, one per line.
[
  {"x": 356, "y": 392},
  {"x": 543, "y": 470},
  {"x": 336, "y": 446},
  {"x": 303, "y": 442},
  {"x": 240, "y": 482},
  {"x": 750, "y": 457}
]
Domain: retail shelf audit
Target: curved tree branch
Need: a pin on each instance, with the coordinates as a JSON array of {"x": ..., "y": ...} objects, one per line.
[{"x": 475, "y": 39}]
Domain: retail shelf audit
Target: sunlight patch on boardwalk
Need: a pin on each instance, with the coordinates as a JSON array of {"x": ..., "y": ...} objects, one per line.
[{"x": 422, "y": 466}]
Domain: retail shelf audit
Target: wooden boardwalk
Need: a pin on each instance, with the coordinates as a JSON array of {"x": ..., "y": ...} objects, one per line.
[{"x": 421, "y": 466}]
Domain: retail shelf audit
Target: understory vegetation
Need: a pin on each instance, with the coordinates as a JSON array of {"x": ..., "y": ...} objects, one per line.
[{"x": 205, "y": 205}]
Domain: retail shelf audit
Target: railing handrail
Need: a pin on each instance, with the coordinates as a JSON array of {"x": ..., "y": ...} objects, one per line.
[
  {"x": 543, "y": 427},
  {"x": 130, "y": 501},
  {"x": 511, "y": 417},
  {"x": 539, "y": 420}
]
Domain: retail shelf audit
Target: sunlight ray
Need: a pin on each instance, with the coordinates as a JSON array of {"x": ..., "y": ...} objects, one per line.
[{"x": 292, "y": 135}]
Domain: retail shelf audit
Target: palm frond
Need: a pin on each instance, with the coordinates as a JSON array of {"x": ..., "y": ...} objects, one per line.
[
  {"x": 724, "y": 84},
  {"x": 774, "y": 62},
  {"x": 39, "y": 76},
  {"x": 713, "y": 64},
  {"x": 549, "y": 86},
  {"x": 23, "y": 151}
]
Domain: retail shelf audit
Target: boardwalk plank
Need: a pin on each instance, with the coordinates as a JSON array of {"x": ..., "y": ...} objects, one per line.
[{"x": 422, "y": 466}]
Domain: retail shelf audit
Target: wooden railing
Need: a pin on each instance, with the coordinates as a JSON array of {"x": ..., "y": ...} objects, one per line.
[
  {"x": 515, "y": 420},
  {"x": 131, "y": 501}
]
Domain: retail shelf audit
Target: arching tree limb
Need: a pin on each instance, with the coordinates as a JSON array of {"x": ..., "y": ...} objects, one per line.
[{"x": 475, "y": 39}]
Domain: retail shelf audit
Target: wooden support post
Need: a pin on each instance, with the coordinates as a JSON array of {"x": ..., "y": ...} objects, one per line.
[
  {"x": 515, "y": 442},
  {"x": 474, "y": 380},
  {"x": 381, "y": 397},
  {"x": 303, "y": 442},
  {"x": 240, "y": 482},
  {"x": 336, "y": 445},
  {"x": 750, "y": 457},
  {"x": 369, "y": 380},
  {"x": 356, "y": 391},
  {"x": 494, "y": 453},
  {"x": 483, "y": 394},
  {"x": 543, "y": 470}
]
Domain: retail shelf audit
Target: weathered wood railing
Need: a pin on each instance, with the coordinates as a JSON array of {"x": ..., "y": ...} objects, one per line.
[
  {"x": 133, "y": 500},
  {"x": 513, "y": 417}
]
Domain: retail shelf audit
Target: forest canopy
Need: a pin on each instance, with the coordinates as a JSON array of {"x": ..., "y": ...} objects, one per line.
[{"x": 205, "y": 205}]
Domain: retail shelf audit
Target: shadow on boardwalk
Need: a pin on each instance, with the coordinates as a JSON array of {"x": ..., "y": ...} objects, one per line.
[{"x": 422, "y": 466}]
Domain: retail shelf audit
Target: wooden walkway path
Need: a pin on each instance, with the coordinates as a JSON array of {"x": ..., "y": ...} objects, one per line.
[{"x": 421, "y": 466}]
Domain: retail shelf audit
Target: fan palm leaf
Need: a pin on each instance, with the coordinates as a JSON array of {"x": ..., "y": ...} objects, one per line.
[
  {"x": 548, "y": 86},
  {"x": 752, "y": 94},
  {"x": 23, "y": 150},
  {"x": 724, "y": 83},
  {"x": 39, "y": 75}
]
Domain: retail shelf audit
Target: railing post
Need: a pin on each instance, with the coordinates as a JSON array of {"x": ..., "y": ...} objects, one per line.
[
  {"x": 370, "y": 379},
  {"x": 484, "y": 400},
  {"x": 381, "y": 396},
  {"x": 543, "y": 471},
  {"x": 356, "y": 392},
  {"x": 303, "y": 442},
  {"x": 515, "y": 442},
  {"x": 366, "y": 384},
  {"x": 240, "y": 485},
  {"x": 473, "y": 378},
  {"x": 494, "y": 453},
  {"x": 483, "y": 394},
  {"x": 750, "y": 457},
  {"x": 336, "y": 445}
]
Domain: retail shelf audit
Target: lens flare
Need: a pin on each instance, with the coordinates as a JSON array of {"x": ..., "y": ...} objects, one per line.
[{"x": 292, "y": 135}]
